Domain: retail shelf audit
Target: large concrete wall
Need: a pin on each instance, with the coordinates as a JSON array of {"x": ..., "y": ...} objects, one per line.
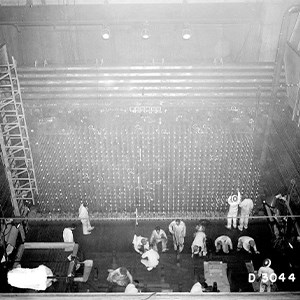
[
  {"x": 72, "y": 34},
  {"x": 242, "y": 31}
]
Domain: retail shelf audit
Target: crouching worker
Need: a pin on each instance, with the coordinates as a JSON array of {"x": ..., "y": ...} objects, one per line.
[
  {"x": 39, "y": 278},
  {"x": 132, "y": 288},
  {"x": 120, "y": 276},
  {"x": 150, "y": 259},
  {"x": 140, "y": 244},
  {"x": 196, "y": 288},
  {"x": 248, "y": 244},
  {"x": 223, "y": 242},
  {"x": 199, "y": 244},
  {"x": 159, "y": 236}
]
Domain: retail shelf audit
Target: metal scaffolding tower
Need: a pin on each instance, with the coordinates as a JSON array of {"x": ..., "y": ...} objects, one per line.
[{"x": 15, "y": 147}]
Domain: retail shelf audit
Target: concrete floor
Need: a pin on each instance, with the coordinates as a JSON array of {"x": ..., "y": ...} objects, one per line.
[{"x": 110, "y": 245}]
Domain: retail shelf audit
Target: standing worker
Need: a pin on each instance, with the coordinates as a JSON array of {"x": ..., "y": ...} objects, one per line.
[
  {"x": 233, "y": 201},
  {"x": 85, "y": 220},
  {"x": 178, "y": 230},
  {"x": 264, "y": 274},
  {"x": 68, "y": 236},
  {"x": 246, "y": 207}
]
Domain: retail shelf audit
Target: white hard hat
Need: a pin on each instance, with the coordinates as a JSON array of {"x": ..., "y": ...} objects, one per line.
[
  {"x": 267, "y": 262},
  {"x": 234, "y": 198}
]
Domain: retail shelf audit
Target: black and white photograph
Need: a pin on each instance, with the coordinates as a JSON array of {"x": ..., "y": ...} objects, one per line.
[{"x": 150, "y": 149}]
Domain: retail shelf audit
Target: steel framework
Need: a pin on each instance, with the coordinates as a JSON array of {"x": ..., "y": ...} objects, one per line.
[{"x": 15, "y": 147}]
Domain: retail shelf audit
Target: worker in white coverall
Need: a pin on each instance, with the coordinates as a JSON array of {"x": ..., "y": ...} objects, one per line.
[
  {"x": 223, "y": 242},
  {"x": 233, "y": 201},
  {"x": 120, "y": 276},
  {"x": 196, "y": 288},
  {"x": 159, "y": 236},
  {"x": 247, "y": 243},
  {"x": 264, "y": 274},
  {"x": 68, "y": 236},
  {"x": 85, "y": 220},
  {"x": 132, "y": 288},
  {"x": 150, "y": 259},
  {"x": 246, "y": 207},
  {"x": 199, "y": 244},
  {"x": 35, "y": 279},
  {"x": 178, "y": 230},
  {"x": 140, "y": 244}
]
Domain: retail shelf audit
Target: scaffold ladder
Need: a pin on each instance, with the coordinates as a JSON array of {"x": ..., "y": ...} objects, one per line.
[{"x": 14, "y": 140}]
